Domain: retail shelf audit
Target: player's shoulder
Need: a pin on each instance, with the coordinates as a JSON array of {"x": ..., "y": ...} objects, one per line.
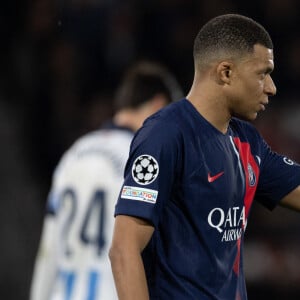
[
  {"x": 106, "y": 138},
  {"x": 160, "y": 129},
  {"x": 171, "y": 112},
  {"x": 102, "y": 142},
  {"x": 167, "y": 120},
  {"x": 108, "y": 135}
]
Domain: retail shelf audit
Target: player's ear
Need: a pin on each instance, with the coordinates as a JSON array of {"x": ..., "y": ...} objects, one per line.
[{"x": 224, "y": 72}]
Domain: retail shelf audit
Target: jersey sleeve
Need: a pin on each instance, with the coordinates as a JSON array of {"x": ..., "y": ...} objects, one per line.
[
  {"x": 279, "y": 175},
  {"x": 150, "y": 172}
]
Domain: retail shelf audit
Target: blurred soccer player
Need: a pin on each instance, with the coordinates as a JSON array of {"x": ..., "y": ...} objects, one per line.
[{"x": 72, "y": 261}]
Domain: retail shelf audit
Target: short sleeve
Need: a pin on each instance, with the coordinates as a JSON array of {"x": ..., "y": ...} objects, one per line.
[
  {"x": 150, "y": 172},
  {"x": 279, "y": 175}
]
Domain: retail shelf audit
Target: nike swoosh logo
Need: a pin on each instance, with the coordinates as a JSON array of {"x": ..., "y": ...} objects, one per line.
[{"x": 215, "y": 177}]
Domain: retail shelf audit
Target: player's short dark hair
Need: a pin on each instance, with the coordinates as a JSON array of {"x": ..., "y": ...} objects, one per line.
[
  {"x": 230, "y": 34},
  {"x": 143, "y": 81}
]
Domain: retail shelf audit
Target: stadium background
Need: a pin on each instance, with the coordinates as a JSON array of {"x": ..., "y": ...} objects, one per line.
[{"x": 59, "y": 65}]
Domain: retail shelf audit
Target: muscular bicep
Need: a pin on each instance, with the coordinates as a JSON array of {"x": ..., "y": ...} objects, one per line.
[
  {"x": 292, "y": 200},
  {"x": 131, "y": 233}
]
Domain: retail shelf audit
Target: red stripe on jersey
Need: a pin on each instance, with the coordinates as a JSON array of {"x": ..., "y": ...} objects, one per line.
[
  {"x": 248, "y": 161},
  {"x": 251, "y": 171}
]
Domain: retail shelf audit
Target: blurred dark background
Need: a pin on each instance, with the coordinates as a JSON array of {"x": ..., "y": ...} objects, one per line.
[{"x": 60, "y": 62}]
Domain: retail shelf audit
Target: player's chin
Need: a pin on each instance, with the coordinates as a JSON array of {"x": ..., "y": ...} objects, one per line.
[{"x": 253, "y": 116}]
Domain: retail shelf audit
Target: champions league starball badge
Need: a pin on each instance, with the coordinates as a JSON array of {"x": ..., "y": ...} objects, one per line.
[{"x": 145, "y": 169}]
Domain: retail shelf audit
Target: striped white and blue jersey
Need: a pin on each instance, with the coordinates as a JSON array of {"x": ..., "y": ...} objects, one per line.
[{"x": 73, "y": 263}]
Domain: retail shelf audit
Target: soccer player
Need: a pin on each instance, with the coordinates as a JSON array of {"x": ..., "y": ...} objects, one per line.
[
  {"x": 72, "y": 262},
  {"x": 193, "y": 171}
]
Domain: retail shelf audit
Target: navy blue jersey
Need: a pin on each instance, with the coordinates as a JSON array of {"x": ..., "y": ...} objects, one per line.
[{"x": 196, "y": 186}]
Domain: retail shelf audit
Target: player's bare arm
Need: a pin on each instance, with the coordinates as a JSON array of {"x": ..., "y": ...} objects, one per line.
[
  {"x": 131, "y": 235},
  {"x": 292, "y": 200}
]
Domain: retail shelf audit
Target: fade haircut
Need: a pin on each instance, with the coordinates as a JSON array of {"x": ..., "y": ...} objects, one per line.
[
  {"x": 143, "y": 81},
  {"x": 228, "y": 36}
]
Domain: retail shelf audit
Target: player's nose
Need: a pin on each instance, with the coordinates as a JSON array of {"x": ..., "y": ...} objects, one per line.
[{"x": 270, "y": 88}]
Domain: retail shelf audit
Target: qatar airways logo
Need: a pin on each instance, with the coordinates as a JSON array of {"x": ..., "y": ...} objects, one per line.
[{"x": 230, "y": 224}]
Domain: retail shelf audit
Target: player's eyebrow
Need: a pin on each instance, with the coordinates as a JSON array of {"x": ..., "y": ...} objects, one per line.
[{"x": 266, "y": 70}]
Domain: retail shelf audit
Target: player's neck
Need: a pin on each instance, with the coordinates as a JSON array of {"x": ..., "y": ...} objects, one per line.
[{"x": 210, "y": 106}]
